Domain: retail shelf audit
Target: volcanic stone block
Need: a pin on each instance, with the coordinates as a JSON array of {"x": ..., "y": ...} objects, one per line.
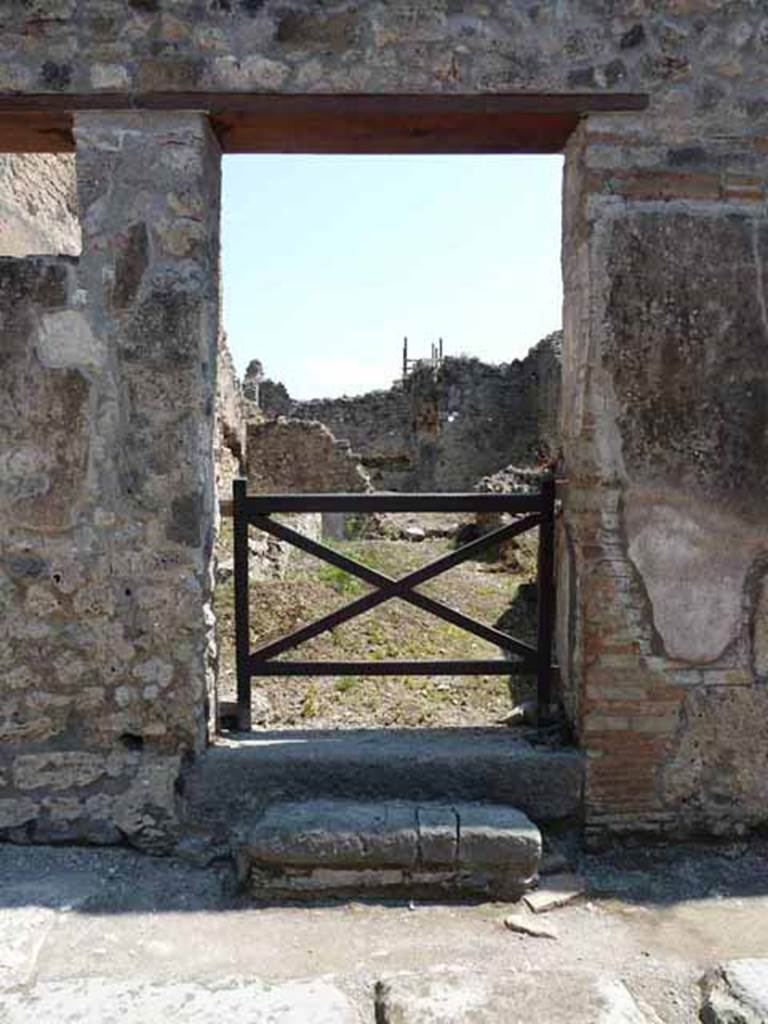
[{"x": 514, "y": 997}]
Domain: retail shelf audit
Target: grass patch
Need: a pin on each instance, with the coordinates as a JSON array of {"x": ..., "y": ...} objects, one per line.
[
  {"x": 395, "y": 630},
  {"x": 347, "y": 684},
  {"x": 340, "y": 581}
]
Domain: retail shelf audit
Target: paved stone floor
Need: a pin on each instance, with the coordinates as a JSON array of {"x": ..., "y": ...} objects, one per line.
[{"x": 110, "y": 935}]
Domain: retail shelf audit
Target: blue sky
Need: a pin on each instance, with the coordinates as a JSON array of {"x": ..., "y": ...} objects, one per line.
[{"x": 329, "y": 261}]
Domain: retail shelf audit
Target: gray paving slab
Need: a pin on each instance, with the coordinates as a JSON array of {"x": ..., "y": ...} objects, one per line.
[
  {"x": 496, "y": 836},
  {"x": 512, "y": 997},
  {"x": 241, "y": 1000},
  {"x": 736, "y": 992},
  {"x": 348, "y": 833},
  {"x": 23, "y": 931}
]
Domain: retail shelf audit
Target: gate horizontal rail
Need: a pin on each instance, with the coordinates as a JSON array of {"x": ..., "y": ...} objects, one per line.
[{"x": 533, "y": 511}]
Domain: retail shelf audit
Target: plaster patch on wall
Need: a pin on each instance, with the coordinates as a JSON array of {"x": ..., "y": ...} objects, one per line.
[
  {"x": 693, "y": 563},
  {"x": 65, "y": 340}
]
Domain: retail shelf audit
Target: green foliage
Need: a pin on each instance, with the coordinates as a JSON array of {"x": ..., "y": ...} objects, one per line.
[
  {"x": 310, "y": 704},
  {"x": 347, "y": 684},
  {"x": 339, "y": 580}
]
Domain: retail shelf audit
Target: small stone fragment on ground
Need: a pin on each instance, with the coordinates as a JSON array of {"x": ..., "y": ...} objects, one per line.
[
  {"x": 555, "y": 891},
  {"x": 525, "y": 925},
  {"x": 414, "y": 533},
  {"x": 736, "y": 992},
  {"x": 524, "y": 713}
]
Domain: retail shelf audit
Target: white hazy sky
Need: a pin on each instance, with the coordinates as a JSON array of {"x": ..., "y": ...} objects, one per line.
[{"x": 329, "y": 261}]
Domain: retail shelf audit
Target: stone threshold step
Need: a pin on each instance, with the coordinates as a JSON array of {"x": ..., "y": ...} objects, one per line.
[
  {"x": 238, "y": 775},
  {"x": 330, "y": 847}
]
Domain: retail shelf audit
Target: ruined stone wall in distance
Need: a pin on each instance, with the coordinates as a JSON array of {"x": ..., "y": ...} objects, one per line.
[
  {"x": 371, "y": 424},
  {"x": 294, "y": 456},
  {"x": 442, "y": 429},
  {"x": 230, "y": 433}
]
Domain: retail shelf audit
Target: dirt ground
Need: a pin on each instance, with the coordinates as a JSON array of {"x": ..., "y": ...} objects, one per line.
[
  {"x": 395, "y": 630},
  {"x": 74, "y": 922}
]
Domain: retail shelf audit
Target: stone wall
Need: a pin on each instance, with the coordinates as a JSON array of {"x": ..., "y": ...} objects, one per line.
[
  {"x": 106, "y": 491},
  {"x": 287, "y": 455},
  {"x": 108, "y": 368},
  {"x": 699, "y": 59},
  {"x": 38, "y": 205},
  {"x": 441, "y": 429},
  {"x": 664, "y": 543},
  {"x": 230, "y": 433}
]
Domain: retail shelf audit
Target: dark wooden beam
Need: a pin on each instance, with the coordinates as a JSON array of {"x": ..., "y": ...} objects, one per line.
[
  {"x": 389, "y": 501},
  {"x": 411, "y": 104},
  {"x": 390, "y": 668},
  {"x": 382, "y": 133},
  {"x": 36, "y": 132},
  {"x": 353, "y": 123}
]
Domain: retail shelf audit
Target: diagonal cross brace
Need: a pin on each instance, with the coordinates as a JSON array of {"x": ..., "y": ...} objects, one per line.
[{"x": 389, "y": 588}]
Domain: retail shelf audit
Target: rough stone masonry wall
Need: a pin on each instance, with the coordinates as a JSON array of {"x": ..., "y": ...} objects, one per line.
[
  {"x": 38, "y": 205},
  {"x": 106, "y": 490},
  {"x": 663, "y": 537},
  {"x": 663, "y": 614},
  {"x": 443, "y": 429},
  {"x": 230, "y": 432},
  {"x": 286, "y": 455}
]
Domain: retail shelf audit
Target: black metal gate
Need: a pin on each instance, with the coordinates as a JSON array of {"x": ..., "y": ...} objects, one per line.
[{"x": 534, "y": 511}]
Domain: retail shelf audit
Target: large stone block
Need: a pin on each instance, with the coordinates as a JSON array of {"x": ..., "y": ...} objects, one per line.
[
  {"x": 58, "y": 770},
  {"x": 736, "y": 993},
  {"x": 515, "y": 997},
  {"x": 344, "y": 846},
  {"x": 685, "y": 351},
  {"x": 179, "y": 1002}
]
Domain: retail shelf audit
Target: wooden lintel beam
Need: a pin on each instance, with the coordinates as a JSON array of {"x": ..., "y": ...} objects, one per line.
[
  {"x": 410, "y": 104},
  {"x": 329, "y": 123}
]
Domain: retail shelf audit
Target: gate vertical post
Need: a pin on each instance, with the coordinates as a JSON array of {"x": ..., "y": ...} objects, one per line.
[
  {"x": 546, "y": 599},
  {"x": 242, "y": 615}
]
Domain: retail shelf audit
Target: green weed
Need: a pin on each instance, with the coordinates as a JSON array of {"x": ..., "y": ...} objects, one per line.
[{"x": 339, "y": 580}]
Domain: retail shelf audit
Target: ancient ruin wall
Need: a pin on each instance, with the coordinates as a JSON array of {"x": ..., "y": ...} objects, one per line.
[
  {"x": 38, "y": 205},
  {"x": 664, "y": 539},
  {"x": 441, "y": 429},
  {"x": 106, "y": 491},
  {"x": 295, "y": 456},
  {"x": 230, "y": 432},
  {"x": 663, "y": 568},
  {"x": 372, "y": 424}
]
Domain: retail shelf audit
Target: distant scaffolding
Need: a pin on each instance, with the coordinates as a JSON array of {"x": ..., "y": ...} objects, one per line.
[{"x": 435, "y": 359}]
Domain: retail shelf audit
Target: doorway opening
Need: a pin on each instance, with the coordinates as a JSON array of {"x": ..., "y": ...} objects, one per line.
[{"x": 396, "y": 329}]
